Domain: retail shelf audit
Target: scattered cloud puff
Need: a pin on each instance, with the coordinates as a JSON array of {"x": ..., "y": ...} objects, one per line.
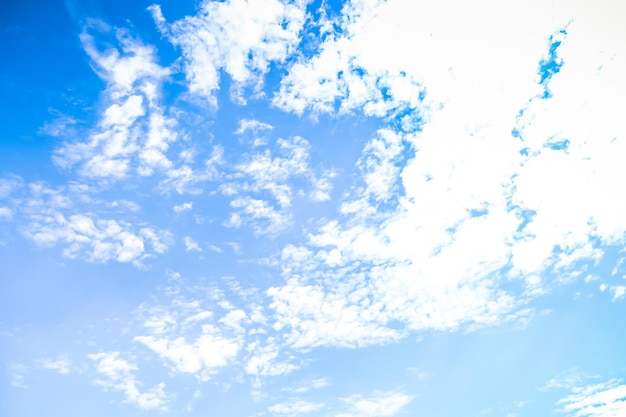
[
  {"x": 276, "y": 174},
  {"x": 619, "y": 291},
  {"x": 251, "y": 125},
  {"x": 180, "y": 208},
  {"x": 97, "y": 239},
  {"x": 264, "y": 360},
  {"x": 191, "y": 245},
  {"x": 239, "y": 37},
  {"x": 9, "y": 185},
  {"x": 119, "y": 375},
  {"x": 194, "y": 336},
  {"x": 71, "y": 216},
  {"x": 6, "y": 213}
]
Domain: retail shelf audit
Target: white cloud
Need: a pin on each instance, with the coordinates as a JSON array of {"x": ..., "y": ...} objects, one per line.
[
  {"x": 6, "y": 213},
  {"x": 311, "y": 316},
  {"x": 71, "y": 216},
  {"x": 201, "y": 357},
  {"x": 133, "y": 132},
  {"x": 379, "y": 164},
  {"x": 264, "y": 218},
  {"x": 499, "y": 184},
  {"x": 180, "y": 208},
  {"x": 605, "y": 399},
  {"x": 294, "y": 407},
  {"x": 191, "y": 245},
  {"x": 279, "y": 174},
  {"x": 9, "y": 185},
  {"x": 383, "y": 404},
  {"x": 61, "y": 365},
  {"x": 619, "y": 291},
  {"x": 270, "y": 173},
  {"x": 185, "y": 335},
  {"x": 317, "y": 383},
  {"x": 265, "y": 360},
  {"x": 234, "y": 319},
  {"x": 18, "y": 373},
  {"x": 251, "y": 125},
  {"x": 187, "y": 178},
  {"x": 240, "y": 37},
  {"x": 119, "y": 376},
  {"x": 96, "y": 239}
]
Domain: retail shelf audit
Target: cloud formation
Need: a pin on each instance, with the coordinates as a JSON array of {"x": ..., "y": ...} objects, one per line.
[
  {"x": 118, "y": 375},
  {"x": 242, "y": 38}
]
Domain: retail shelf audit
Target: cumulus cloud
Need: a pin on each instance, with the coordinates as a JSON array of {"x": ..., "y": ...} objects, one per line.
[{"x": 119, "y": 375}]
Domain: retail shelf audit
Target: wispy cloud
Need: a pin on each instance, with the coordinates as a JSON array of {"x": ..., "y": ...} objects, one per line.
[
  {"x": 605, "y": 399},
  {"x": 279, "y": 174},
  {"x": 73, "y": 216},
  {"x": 119, "y": 376},
  {"x": 383, "y": 404},
  {"x": 133, "y": 133},
  {"x": 62, "y": 364},
  {"x": 294, "y": 407},
  {"x": 192, "y": 245}
]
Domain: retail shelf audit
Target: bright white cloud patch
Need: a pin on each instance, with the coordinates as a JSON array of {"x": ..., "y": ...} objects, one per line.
[{"x": 487, "y": 195}]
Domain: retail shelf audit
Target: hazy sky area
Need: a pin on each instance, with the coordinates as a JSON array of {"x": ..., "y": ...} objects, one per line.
[{"x": 311, "y": 208}]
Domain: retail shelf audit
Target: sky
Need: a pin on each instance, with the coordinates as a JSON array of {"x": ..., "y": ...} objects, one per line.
[{"x": 359, "y": 208}]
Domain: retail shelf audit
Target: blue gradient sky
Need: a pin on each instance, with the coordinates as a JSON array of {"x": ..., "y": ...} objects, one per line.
[{"x": 312, "y": 208}]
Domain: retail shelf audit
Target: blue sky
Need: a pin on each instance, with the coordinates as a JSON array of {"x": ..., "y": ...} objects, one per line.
[{"x": 287, "y": 208}]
